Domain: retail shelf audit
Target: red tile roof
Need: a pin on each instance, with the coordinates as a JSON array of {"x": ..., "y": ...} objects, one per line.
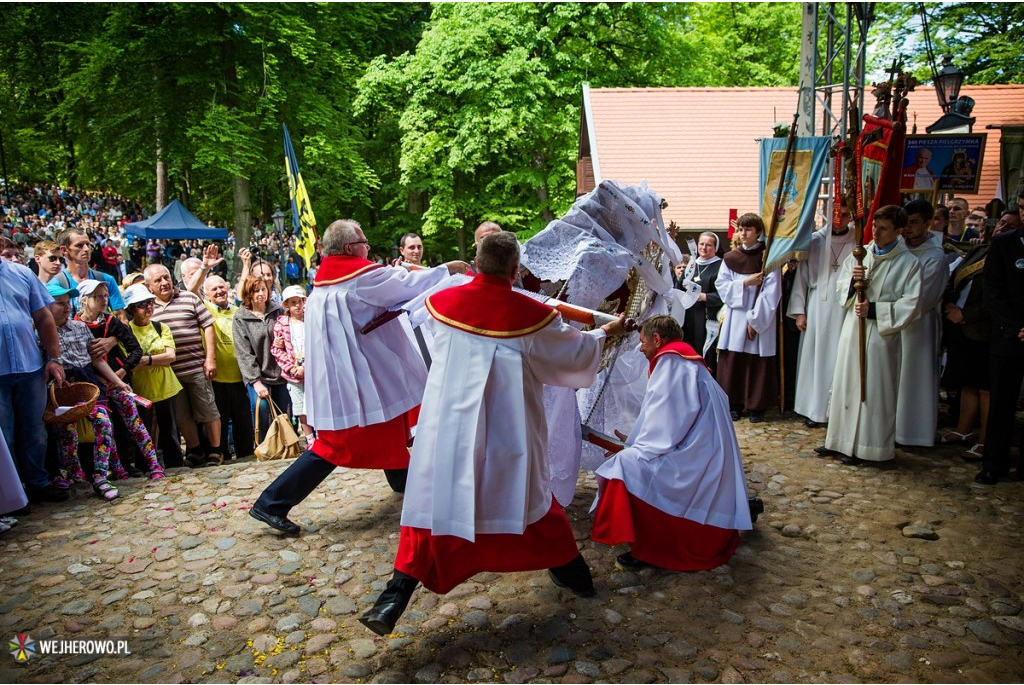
[{"x": 697, "y": 147}]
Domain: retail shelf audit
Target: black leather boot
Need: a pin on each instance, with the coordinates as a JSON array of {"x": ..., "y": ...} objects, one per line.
[
  {"x": 396, "y": 478},
  {"x": 756, "y": 508},
  {"x": 385, "y": 612},
  {"x": 574, "y": 576}
]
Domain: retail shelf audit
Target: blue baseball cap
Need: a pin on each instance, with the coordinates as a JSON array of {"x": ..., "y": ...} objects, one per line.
[{"x": 56, "y": 289}]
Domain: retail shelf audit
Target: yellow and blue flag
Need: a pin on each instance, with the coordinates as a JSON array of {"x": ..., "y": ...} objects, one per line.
[
  {"x": 792, "y": 239},
  {"x": 303, "y": 221}
]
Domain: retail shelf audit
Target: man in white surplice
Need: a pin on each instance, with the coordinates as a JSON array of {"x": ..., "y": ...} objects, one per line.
[
  {"x": 479, "y": 495},
  {"x": 677, "y": 492},
  {"x": 917, "y": 410},
  {"x": 818, "y": 312},
  {"x": 866, "y": 431}
]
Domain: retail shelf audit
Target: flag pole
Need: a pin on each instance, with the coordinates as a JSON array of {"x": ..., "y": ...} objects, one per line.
[{"x": 859, "y": 252}]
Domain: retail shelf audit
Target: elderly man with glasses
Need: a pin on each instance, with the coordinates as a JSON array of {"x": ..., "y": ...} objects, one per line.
[{"x": 363, "y": 386}]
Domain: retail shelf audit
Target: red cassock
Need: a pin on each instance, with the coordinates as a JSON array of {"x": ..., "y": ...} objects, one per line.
[
  {"x": 656, "y": 537},
  {"x": 485, "y": 307},
  {"x": 376, "y": 446},
  {"x": 442, "y": 562}
]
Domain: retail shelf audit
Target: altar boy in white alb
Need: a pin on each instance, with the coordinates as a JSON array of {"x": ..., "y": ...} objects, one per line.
[
  {"x": 818, "y": 313},
  {"x": 866, "y": 431},
  {"x": 917, "y": 411}
]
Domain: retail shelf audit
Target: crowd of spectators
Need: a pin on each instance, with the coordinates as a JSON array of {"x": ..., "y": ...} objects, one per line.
[{"x": 182, "y": 348}]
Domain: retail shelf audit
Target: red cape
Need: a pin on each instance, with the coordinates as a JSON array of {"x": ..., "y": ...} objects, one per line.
[
  {"x": 340, "y": 268},
  {"x": 679, "y": 348},
  {"x": 488, "y": 306}
]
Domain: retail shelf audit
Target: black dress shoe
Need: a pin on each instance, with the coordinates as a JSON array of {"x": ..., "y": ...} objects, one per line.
[
  {"x": 582, "y": 591},
  {"x": 18, "y": 513},
  {"x": 825, "y": 452},
  {"x": 280, "y": 523},
  {"x": 812, "y": 424},
  {"x": 850, "y": 460},
  {"x": 49, "y": 493},
  {"x": 756, "y": 508},
  {"x": 630, "y": 563},
  {"x": 986, "y": 478},
  {"x": 756, "y": 416}
]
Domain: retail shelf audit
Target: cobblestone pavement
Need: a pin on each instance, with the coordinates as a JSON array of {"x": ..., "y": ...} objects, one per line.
[{"x": 908, "y": 574}]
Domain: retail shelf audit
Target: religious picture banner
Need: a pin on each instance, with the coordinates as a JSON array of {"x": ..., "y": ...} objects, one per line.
[
  {"x": 944, "y": 162},
  {"x": 303, "y": 221},
  {"x": 879, "y": 155},
  {"x": 792, "y": 237}
]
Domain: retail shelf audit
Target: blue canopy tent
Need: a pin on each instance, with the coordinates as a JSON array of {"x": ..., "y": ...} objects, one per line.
[{"x": 174, "y": 222}]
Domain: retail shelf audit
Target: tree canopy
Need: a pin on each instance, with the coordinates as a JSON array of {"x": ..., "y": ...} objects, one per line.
[{"x": 404, "y": 116}]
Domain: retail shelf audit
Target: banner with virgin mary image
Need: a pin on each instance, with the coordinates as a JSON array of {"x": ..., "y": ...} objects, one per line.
[{"x": 800, "y": 187}]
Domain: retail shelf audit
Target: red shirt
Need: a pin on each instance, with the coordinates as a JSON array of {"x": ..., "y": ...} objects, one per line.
[{"x": 110, "y": 255}]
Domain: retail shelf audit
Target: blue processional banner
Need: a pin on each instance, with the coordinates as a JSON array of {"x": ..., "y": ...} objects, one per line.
[{"x": 792, "y": 237}]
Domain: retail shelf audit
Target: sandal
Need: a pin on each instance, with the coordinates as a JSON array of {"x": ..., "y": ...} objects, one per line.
[
  {"x": 8, "y": 521},
  {"x": 976, "y": 453},
  {"x": 952, "y": 438},
  {"x": 104, "y": 489},
  {"x": 194, "y": 460},
  {"x": 61, "y": 481},
  {"x": 214, "y": 459},
  {"x": 156, "y": 474}
]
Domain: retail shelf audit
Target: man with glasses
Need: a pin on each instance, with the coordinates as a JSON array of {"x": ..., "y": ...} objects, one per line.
[
  {"x": 363, "y": 389},
  {"x": 48, "y": 260}
]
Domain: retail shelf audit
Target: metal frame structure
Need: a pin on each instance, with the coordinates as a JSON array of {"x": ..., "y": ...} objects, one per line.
[{"x": 833, "y": 62}]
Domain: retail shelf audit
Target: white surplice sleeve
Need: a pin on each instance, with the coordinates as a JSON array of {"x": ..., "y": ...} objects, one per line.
[{"x": 762, "y": 316}]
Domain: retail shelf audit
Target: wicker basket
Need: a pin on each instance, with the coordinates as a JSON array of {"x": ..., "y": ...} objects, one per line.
[{"x": 81, "y": 397}]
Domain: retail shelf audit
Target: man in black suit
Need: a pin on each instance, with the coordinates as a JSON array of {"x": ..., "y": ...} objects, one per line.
[{"x": 1004, "y": 296}]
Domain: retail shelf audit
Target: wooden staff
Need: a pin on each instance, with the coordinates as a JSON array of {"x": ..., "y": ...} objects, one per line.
[{"x": 859, "y": 252}]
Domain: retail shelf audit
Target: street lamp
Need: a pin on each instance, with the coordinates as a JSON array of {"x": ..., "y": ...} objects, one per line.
[
  {"x": 956, "y": 117},
  {"x": 947, "y": 84},
  {"x": 278, "y": 218}
]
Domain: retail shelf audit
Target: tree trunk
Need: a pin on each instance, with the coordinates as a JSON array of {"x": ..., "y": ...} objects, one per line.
[
  {"x": 232, "y": 99},
  {"x": 161, "y": 178},
  {"x": 243, "y": 212}
]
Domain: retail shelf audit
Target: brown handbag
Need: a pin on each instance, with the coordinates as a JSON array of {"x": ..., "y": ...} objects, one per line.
[{"x": 281, "y": 441}]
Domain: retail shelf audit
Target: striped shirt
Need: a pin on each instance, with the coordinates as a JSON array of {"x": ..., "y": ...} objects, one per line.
[{"x": 187, "y": 317}]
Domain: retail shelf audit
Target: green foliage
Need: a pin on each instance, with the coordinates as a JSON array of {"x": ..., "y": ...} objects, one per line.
[
  {"x": 741, "y": 43},
  {"x": 984, "y": 38},
  {"x": 406, "y": 117}
]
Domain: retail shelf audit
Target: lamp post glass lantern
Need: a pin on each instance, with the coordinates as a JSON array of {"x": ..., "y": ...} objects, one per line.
[
  {"x": 278, "y": 218},
  {"x": 947, "y": 84}
]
